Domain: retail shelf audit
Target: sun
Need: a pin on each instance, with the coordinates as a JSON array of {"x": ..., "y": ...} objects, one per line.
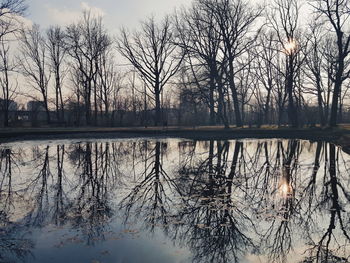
[{"x": 290, "y": 46}]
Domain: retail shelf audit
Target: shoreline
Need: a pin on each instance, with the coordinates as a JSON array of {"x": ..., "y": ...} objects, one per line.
[
  {"x": 339, "y": 136},
  {"x": 200, "y": 132}
]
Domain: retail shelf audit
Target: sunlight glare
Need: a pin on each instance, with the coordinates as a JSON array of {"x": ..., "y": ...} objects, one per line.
[
  {"x": 285, "y": 189},
  {"x": 290, "y": 46}
]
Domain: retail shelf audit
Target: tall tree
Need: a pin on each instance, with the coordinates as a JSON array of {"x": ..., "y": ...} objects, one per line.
[
  {"x": 7, "y": 90},
  {"x": 199, "y": 36},
  {"x": 337, "y": 14},
  {"x": 33, "y": 61},
  {"x": 266, "y": 72},
  {"x": 9, "y": 11},
  {"x": 285, "y": 22},
  {"x": 57, "y": 51},
  {"x": 86, "y": 41},
  {"x": 235, "y": 21},
  {"x": 152, "y": 52},
  {"x": 107, "y": 80},
  {"x": 314, "y": 70}
]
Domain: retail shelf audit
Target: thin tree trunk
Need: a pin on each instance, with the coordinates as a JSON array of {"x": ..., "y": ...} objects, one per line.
[
  {"x": 157, "y": 121},
  {"x": 234, "y": 96}
]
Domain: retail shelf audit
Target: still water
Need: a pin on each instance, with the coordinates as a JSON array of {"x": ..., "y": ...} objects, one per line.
[{"x": 174, "y": 200}]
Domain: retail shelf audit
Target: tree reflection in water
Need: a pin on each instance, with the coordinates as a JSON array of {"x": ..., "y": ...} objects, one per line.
[
  {"x": 13, "y": 242},
  {"x": 149, "y": 198},
  {"x": 215, "y": 224},
  {"x": 272, "y": 200}
]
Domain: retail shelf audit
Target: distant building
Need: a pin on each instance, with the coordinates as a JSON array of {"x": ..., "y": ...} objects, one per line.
[
  {"x": 12, "y": 105},
  {"x": 35, "y": 105}
]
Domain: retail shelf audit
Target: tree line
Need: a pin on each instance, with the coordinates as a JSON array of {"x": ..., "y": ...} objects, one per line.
[{"x": 230, "y": 61}]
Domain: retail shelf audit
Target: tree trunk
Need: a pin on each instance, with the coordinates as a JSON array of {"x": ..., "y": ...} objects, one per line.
[
  {"x": 88, "y": 105},
  {"x": 234, "y": 95},
  {"x": 221, "y": 106},
  {"x": 47, "y": 112},
  {"x": 280, "y": 115},
  {"x": 62, "y": 104},
  {"x": 267, "y": 106},
  {"x": 6, "y": 106},
  {"x": 95, "y": 103},
  {"x": 57, "y": 110},
  {"x": 292, "y": 113},
  {"x": 211, "y": 101},
  {"x": 335, "y": 101},
  {"x": 6, "y": 113},
  {"x": 320, "y": 102},
  {"x": 338, "y": 83},
  {"x": 157, "y": 120}
]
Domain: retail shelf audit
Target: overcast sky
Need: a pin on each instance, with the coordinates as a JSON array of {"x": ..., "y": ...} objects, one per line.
[{"x": 115, "y": 12}]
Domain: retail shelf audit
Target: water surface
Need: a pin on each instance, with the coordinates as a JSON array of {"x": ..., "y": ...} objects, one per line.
[{"x": 174, "y": 200}]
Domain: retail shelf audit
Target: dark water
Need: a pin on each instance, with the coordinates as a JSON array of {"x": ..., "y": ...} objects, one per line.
[{"x": 173, "y": 200}]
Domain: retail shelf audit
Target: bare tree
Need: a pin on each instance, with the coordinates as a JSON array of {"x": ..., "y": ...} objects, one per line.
[
  {"x": 153, "y": 53},
  {"x": 235, "y": 20},
  {"x": 315, "y": 60},
  {"x": 285, "y": 21},
  {"x": 246, "y": 83},
  {"x": 86, "y": 41},
  {"x": 267, "y": 72},
  {"x": 337, "y": 14},
  {"x": 9, "y": 9},
  {"x": 7, "y": 89},
  {"x": 57, "y": 51},
  {"x": 199, "y": 36},
  {"x": 33, "y": 62},
  {"x": 107, "y": 80}
]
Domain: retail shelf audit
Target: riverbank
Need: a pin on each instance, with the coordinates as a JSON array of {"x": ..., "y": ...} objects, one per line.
[
  {"x": 200, "y": 132},
  {"x": 339, "y": 135}
]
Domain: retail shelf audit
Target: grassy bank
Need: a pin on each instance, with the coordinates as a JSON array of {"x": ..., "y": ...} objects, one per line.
[{"x": 340, "y": 135}]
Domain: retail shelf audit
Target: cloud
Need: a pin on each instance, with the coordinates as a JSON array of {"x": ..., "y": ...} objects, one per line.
[
  {"x": 24, "y": 22},
  {"x": 10, "y": 25},
  {"x": 65, "y": 16},
  {"x": 10, "y": 21},
  {"x": 95, "y": 11}
]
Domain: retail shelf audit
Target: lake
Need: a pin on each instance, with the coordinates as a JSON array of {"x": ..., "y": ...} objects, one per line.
[{"x": 174, "y": 200}]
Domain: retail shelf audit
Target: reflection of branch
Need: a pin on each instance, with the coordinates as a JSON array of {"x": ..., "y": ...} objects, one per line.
[
  {"x": 6, "y": 160},
  {"x": 92, "y": 209},
  {"x": 321, "y": 251},
  {"x": 59, "y": 212},
  {"x": 12, "y": 245},
  {"x": 41, "y": 206},
  {"x": 279, "y": 231},
  {"x": 310, "y": 188},
  {"x": 213, "y": 225},
  {"x": 149, "y": 197}
]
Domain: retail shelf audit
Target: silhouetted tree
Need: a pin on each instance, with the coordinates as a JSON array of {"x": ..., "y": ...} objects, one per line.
[
  {"x": 33, "y": 62},
  {"x": 57, "y": 51},
  {"x": 86, "y": 42},
  {"x": 336, "y": 13},
  {"x": 153, "y": 53}
]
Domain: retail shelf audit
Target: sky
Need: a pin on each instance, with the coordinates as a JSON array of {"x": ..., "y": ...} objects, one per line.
[{"x": 116, "y": 13}]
